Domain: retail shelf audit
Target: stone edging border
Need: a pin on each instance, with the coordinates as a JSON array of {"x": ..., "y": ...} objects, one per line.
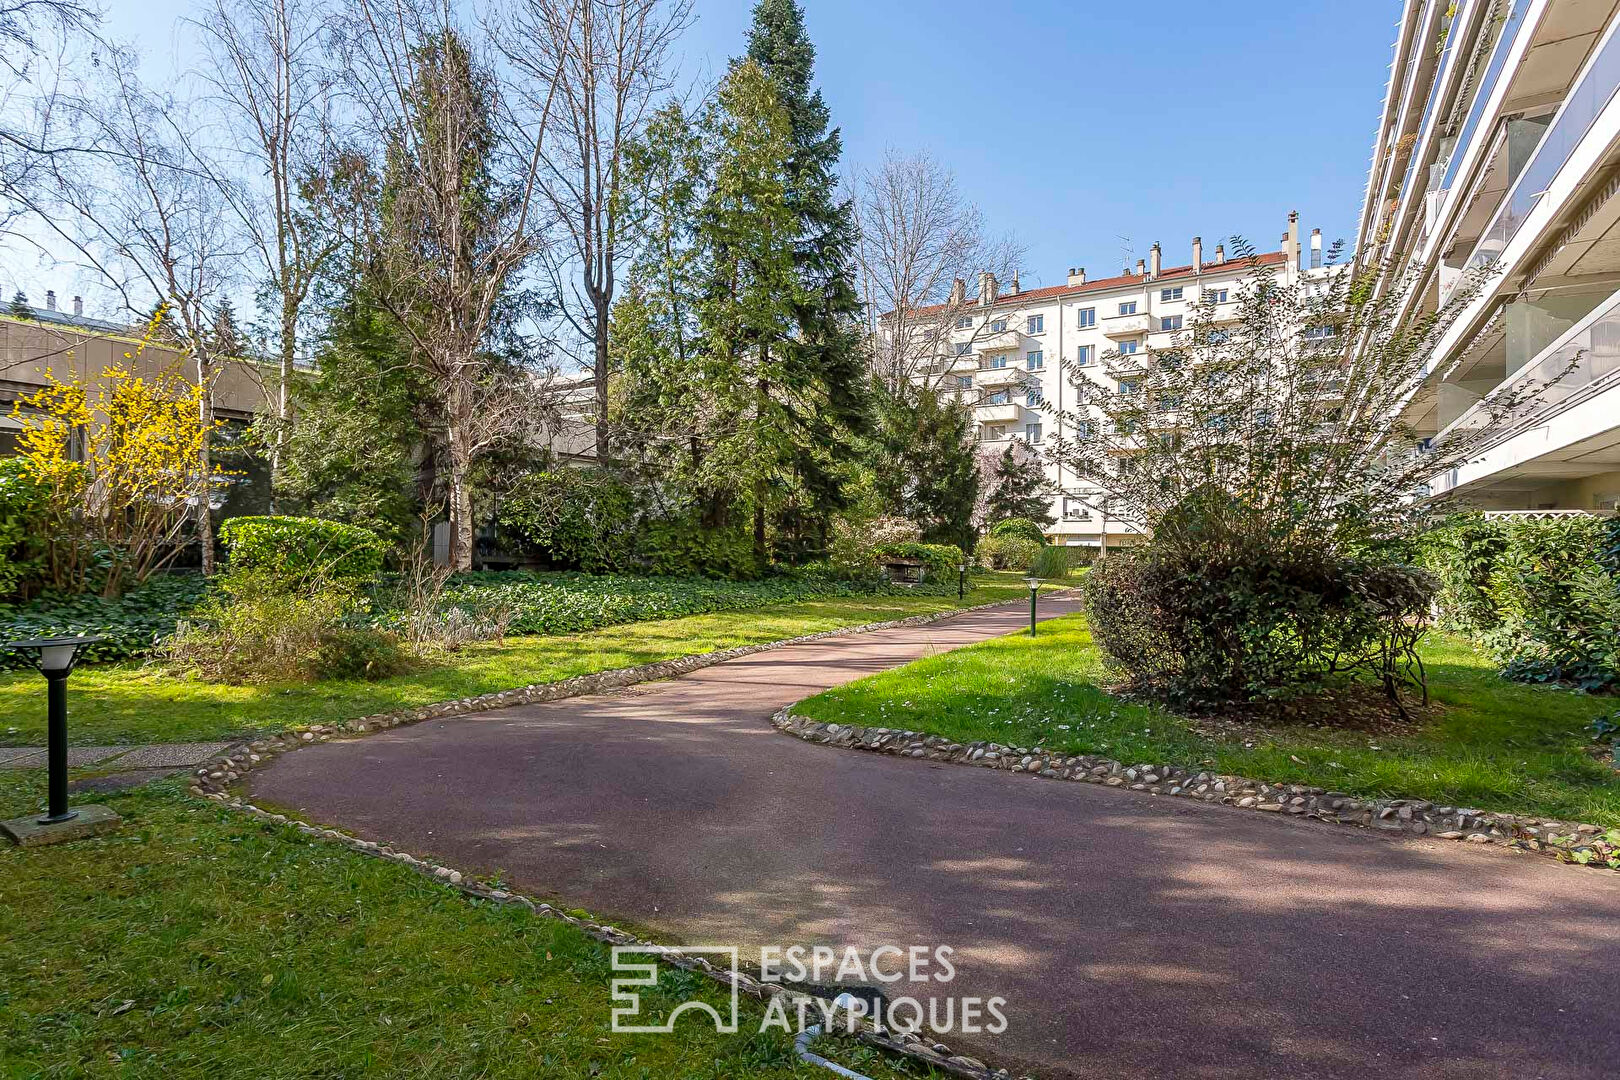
[
  {"x": 219, "y": 773},
  {"x": 1572, "y": 842},
  {"x": 935, "y": 1054}
]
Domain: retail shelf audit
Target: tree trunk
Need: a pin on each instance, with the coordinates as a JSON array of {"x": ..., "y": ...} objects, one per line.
[
  {"x": 604, "y": 451},
  {"x": 289, "y": 331},
  {"x": 461, "y": 519},
  {"x": 205, "y": 461}
]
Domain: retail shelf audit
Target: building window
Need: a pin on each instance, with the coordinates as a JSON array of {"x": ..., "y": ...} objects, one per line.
[
  {"x": 1035, "y": 324},
  {"x": 1088, "y": 317},
  {"x": 964, "y": 382},
  {"x": 999, "y": 360},
  {"x": 1170, "y": 322},
  {"x": 1082, "y": 429},
  {"x": 1128, "y": 307},
  {"x": 1034, "y": 361},
  {"x": 998, "y": 326},
  {"x": 1032, "y": 433},
  {"x": 1170, "y": 294},
  {"x": 964, "y": 348},
  {"x": 964, "y": 322},
  {"x": 1075, "y": 510},
  {"x": 1127, "y": 387},
  {"x": 1127, "y": 348},
  {"x": 1033, "y": 399},
  {"x": 999, "y": 397},
  {"x": 990, "y": 434},
  {"x": 1216, "y": 295},
  {"x": 1088, "y": 353},
  {"x": 1321, "y": 333}
]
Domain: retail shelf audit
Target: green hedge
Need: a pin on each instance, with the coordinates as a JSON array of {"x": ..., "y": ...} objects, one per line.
[
  {"x": 1542, "y": 594},
  {"x": 563, "y": 603},
  {"x": 300, "y": 546},
  {"x": 1022, "y": 528},
  {"x": 941, "y": 560},
  {"x": 1008, "y": 552},
  {"x": 22, "y": 508}
]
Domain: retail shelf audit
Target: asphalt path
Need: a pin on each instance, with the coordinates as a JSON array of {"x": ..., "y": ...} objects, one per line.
[{"x": 1130, "y": 935}]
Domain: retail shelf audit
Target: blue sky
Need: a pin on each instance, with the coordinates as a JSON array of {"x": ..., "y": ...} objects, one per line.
[{"x": 1070, "y": 122}]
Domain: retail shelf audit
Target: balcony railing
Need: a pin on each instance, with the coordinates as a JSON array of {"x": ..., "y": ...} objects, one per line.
[
  {"x": 1575, "y": 118},
  {"x": 1585, "y": 362},
  {"x": 1126, "y": 326}
]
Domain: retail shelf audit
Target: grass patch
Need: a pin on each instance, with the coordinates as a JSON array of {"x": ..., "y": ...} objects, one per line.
[
  {"x": 198, "y": 943},
  {"x": 1494, "y": 745},
  {"x": 132, "y": 703}
]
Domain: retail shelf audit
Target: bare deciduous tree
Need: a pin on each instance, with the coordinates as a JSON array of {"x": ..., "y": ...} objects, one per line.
[
  {"x": 264, "y": 66},
  {"x": 459, "y": 219},
  {"x": 142, "y": 211},
  {"x": 921, "y": 242},
  {"x": 1294, "y": 408},
  {"x": 593, "y": 68}
]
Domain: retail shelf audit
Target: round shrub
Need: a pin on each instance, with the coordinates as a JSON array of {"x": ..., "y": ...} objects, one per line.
[
  {"x": 575, "y": 519},
  {"x": 1212, "y": 610},
  {"x": 1007, "y": 552},
  {"x": 301, "y": 549},
  {"x": 1023, "y": 528}
]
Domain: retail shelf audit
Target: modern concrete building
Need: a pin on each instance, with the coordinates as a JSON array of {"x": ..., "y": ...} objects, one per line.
[
  {"x": 1011, "y": 350},
  {"x": 1499, "y": 144}
]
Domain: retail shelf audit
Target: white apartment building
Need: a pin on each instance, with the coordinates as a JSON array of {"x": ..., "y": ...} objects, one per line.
[
  {"x": 1499, "y": 144},
  {"x": 1012, "y": 350}
]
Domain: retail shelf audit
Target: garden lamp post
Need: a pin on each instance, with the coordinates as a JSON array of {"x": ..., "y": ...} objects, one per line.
[
  {"x": 1034, "y": 584},
  {"x": 53, "y": 657},
  {"x": 961, "y": 581}
]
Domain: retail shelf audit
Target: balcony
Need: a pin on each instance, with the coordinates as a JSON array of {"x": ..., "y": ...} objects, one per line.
[
  {"x": 1002, "y": 341},
  {"x": 1127, "y": 326},
  {"x": 1001, "y": 376},
  {"x": 1000, "y": 413}
]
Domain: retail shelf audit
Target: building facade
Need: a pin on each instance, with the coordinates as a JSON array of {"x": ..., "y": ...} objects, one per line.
[
  {"x": 1011, "y": 351},
  {"x": 1499, "y": 149}
]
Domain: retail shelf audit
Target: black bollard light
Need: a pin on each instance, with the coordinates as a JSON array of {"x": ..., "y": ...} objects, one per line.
[
  {"x": 961, "y": 582},
  {"x": 1034, "y": 584},
  {"x": 54, "y": 658}
]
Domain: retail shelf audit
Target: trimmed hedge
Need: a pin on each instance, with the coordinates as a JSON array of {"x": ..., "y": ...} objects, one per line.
[
  {"x": 1022, "y": 528},
  {"x": 299, "y": 546}
]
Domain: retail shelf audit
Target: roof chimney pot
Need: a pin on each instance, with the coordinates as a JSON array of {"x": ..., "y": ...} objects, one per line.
[
  {"x": 50, "y": 299},
  {"x": 1141, "y": 268},
  {"x": 78, "y": 307},
  {"x": 1198, "y": 254},
  {"x": 1077, "y": 276},
  {"x": 1155, "y": 261}
]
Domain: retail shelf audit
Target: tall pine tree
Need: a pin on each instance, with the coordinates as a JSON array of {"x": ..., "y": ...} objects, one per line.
[
  {"x": 1017, "y": 487},
  {"x": 824, "y": 350}
]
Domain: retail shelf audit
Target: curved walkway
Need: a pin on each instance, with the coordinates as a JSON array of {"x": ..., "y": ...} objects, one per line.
[{"x": 1131, "y": 936}]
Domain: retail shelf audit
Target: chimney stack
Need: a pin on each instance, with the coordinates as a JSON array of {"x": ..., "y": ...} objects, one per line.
[
  {"x": 1015, "y": 283},
  {"x": 1316, "y": 249},
  {"x": 1198, "y": 254},
  {"x": 50, "y": 299},
  {"x": 1141, "y": 268},
  {"x": 1220, "y": 253},
  {"x": 987, "y": 288},
  {"x": 78, "y": 307},
  {"x": 1077, "y": 276},
  {"x": 1154, "y": 261},
  {"x": 1291, "y": 241},
  {"x": 958, "y": 291}
]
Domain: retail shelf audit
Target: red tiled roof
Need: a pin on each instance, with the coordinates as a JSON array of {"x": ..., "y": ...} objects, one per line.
[{"x": 1052, "y": 292}]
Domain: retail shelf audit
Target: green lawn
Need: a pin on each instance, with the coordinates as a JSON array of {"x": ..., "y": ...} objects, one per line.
[
  {"x": 1494, "y": 745},
  {"x": 195, "y": 942},
  {"x": 130, "y": 703}
]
